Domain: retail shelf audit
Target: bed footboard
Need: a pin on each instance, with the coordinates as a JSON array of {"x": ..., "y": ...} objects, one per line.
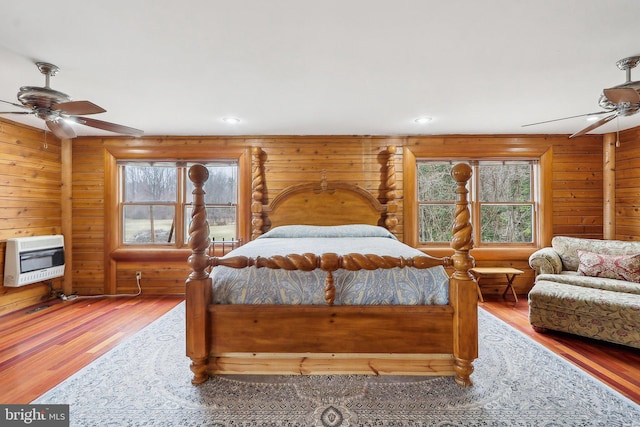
[{"x": 426, "y": 340}]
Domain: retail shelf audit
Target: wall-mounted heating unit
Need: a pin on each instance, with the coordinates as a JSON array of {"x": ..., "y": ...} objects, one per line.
[{"x": 33, "y": 259}]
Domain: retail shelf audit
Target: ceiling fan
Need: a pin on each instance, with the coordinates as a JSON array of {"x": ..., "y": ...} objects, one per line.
[
  {"x": 58, "y": 110},
  {"x": 622, "y": 100}
]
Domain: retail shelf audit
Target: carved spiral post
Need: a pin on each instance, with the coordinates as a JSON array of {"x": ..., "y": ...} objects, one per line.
[
  {"x": 329, "y": 262},
  {"x": 462, "y": 241},
  {"x": 462, "y": 293},
  {"x": 199, "y": 226},
  {"x": 391, "y": 221},
  {"x": 257, "y": 193},
  {"x": 198, "y": 285}
]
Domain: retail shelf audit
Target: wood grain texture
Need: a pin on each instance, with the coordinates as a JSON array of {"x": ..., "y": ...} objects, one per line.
[
  {"x": 45, "y": 348},
  {"x": 340, "y": 329},
  {"x": 576, "y": 181},
  {"x": 627, "y": 186},
  {"x": 62, "y": 337},
  {"x": 333, "y": 364},
  {"x": 574, "y": 204},
  {"x": 287, "y": 330},
  {"x": 30, "y": 199}
]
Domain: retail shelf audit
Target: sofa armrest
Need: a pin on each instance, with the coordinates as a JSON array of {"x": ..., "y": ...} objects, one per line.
[{"x": 545, "y": 261}]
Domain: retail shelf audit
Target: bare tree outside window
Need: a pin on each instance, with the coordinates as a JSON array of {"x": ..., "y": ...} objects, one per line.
[
  {"x": 505, "y": 198},
  {"x": 150, "y": 193},
  {"x": 500, "y": 191},
  {"x": 436, "y": 192},
  {"x": 149, "y": 203},
  {"x": 221, "y": 200}
]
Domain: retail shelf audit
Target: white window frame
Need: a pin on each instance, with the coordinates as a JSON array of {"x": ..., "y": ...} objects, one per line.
[{"x": 476, "y": 204}]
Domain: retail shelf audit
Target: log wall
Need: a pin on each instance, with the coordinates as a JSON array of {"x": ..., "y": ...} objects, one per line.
[
  {"x": 627, "y": 186},
  {"x": 289, "y": 160},
  {"x": 572, "y": 197},
  {"x": 575, "y": 181},
  {"x": 576, "y": 195},
  {"x": 576, "y": 172},
  {"x": 30, "y": 195}
]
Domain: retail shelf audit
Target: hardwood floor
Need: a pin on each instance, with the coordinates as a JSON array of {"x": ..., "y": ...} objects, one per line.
[
  {"x": 39, "y": 349},
  {"x": 43, "y": 345}
]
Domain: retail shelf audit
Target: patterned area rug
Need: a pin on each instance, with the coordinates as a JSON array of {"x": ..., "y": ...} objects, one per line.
[{"x": 145, "y": 381}]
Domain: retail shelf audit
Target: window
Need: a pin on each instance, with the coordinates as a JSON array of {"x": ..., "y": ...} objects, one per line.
[
  {"x": 502, "y": 196},
  {"x": 156, "y": 202},
  {"x": 221, "y": 201}
]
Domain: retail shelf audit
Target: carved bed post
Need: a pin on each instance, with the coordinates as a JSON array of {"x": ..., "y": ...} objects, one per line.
[
  {"x": 257, "y": 192},
  {"x": 391, "y": 221},
  {"x": 462, "y": 290},
  {"x": 198, "y": 284}
]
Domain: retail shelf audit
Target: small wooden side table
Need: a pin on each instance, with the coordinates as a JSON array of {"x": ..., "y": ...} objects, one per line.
[{"x": 510, "y": 274}]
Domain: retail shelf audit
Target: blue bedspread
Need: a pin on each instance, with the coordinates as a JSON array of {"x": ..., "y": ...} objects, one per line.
[{"x": 398, "y": 286}]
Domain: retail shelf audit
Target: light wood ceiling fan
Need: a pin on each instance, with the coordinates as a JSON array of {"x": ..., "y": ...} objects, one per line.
[
  {"x": 58, "y": 110},
  {"x": 622, "y": 100}
]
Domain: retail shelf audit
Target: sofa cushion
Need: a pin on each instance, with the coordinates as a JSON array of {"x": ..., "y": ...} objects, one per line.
[
  {"x": 574, "y": 279},
  {"x": 587, "y": 301},
  {"x": 622, "y": 267},
  {"x": 567, "y": 248},
  {"x": 593, "y": 313}
]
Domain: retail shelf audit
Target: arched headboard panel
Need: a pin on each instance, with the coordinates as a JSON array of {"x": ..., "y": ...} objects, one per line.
[{"x": 323, "y": 202}]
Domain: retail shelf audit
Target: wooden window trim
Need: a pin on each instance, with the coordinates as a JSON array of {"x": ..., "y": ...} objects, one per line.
[
  {"x": 542, "y": 152},
  {"x": 113, "y": 153}
]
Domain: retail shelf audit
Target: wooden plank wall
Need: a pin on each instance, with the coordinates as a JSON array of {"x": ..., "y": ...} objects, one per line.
[
  {"x": 627, "y": 188},
  {"x": 576, "y": 172},
  {"x": 87, "y": 207},
  {"x": 576, "y": 195},
  {"x": 358, "y": 160},
  {"x": 576, "y": 189},
  {"x": 289, "y": 160},
  {"x": 30, "y": 194}
]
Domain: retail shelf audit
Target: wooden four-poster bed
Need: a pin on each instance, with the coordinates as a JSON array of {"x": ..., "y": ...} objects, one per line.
[{"x": 284, "y": 333}]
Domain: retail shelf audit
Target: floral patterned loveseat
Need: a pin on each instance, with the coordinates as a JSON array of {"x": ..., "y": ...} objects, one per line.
[{"x": 587, "y": 287}]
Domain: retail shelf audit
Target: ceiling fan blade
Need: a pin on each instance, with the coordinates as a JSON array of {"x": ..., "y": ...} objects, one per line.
[
  {"x": 61, "y": 129},
  {"x": 595, "y": 125},
  {"x": 619, "y": 95},
  {"x": 570, "y": 117},
  {"x": 78, "y": 108},
  {"x": 111, "y": 127},
  {"x": 16, "y": 105},
  {"x": 16, "y": 112}
]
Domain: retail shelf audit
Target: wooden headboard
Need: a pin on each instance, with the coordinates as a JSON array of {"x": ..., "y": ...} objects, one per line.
[{"x": 322, "y": 202}]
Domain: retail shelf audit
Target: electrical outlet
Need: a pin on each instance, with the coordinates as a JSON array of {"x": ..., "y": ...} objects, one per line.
[{"x": 138, "y": 275}]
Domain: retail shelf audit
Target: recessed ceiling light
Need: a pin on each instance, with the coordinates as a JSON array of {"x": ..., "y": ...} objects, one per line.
[
  {"x": 231, "y": 120},
  {"x": 422, "y": 120}
]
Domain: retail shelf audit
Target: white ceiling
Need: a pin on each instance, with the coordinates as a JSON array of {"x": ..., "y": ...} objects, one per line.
[{"x": 331, "y": 67}]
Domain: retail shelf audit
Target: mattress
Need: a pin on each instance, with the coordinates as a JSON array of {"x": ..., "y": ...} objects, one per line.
[{"x": 395, "y": 286}]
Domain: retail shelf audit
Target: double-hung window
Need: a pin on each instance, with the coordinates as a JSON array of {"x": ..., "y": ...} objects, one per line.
[
  {"x": 156, "y": 201},
  {"x": 502, "y": 195}
]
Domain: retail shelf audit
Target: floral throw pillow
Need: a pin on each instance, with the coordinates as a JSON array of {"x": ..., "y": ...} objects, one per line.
[{"x": 622, "y": 267}]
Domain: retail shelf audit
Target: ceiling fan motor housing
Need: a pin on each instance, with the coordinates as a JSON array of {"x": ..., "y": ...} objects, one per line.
[
  {"x": 623, "y": 107},
  {"x": 57, "y": 109},
  {"x": 41, "y": 97}
]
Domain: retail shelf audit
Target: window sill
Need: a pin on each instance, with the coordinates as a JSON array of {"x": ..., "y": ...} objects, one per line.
[
  {"x": 485, "y": 254},
  {"x": 146, "y": 253}
]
